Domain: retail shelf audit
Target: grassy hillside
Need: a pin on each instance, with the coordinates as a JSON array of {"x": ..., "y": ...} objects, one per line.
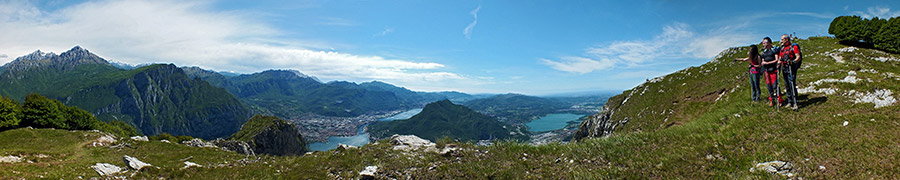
[{"x": 693, "y": 124}]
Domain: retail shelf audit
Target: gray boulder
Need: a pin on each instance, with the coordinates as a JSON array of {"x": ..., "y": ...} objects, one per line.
[
  {"x": 235, "y": 146},
  {"x": 410, "y": 142},
  {"x": 134, "y": 163},
  {"x": 105, "y": 169},
  {"x": 197, "y": 142},
  {"x": 778, "y": 167}
]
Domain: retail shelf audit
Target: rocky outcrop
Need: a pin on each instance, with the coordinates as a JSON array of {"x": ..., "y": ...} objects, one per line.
[
  {"x": 105, "y": 169},
  {"x": 603, "y": 124},
  {"x": 235, "y": 146},
  {"x": 271, "y": 135},
  {"x": 134, "y": 163}
]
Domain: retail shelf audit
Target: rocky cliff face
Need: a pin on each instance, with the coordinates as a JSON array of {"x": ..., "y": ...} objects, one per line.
[
  {"x": 155, "y": 98},
  {"x": 161, "y": 98},
  {"x": 271, "y": 135}
]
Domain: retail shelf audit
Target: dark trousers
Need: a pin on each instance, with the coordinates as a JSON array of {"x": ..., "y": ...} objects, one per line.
[
  {"x": 755, "y": 73},
  {"x": 789, "y": 72}
]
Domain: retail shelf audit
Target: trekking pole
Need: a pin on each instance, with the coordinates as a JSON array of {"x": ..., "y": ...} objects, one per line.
[
  {"x": 793, "y": 86},
  {"x": 777, "y": 92}
]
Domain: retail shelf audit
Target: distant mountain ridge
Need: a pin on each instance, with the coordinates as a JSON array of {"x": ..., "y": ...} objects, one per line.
[
  {"x": 290, "y": 93},
  {"x": 155, "y": 99}
]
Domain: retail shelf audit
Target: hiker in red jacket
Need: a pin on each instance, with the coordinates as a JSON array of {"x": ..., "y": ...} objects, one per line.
[
  {"x": 755, "y": 70},
  {"x": 770, "y": 66},
  {"x": 790, "y": 58}
]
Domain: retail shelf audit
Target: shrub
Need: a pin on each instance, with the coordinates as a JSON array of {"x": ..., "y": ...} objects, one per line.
[
  {"x": 42, "y": 112},
  {"x": 10, "y": 113}
]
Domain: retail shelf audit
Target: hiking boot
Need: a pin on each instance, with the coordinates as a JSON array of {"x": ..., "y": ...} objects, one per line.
[{"x": 795, "y": 107}]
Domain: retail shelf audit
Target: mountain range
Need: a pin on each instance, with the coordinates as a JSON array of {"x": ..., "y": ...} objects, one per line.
[{"x": 154, "y": 99}]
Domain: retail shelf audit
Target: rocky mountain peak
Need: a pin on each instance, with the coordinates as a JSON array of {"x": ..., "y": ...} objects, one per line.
[
  {"x": 38, "y": 55},
  {"x": 78, "y": 52}
]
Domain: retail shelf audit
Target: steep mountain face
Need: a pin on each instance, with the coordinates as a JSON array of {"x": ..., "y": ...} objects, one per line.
[
  {"x": 271, "y": 135},
  {"x": 154, "y": 99},
  {"x": 443, "y": 118}
]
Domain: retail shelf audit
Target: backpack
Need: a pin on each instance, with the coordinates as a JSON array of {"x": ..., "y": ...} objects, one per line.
[{"x": 799, "y": 53}]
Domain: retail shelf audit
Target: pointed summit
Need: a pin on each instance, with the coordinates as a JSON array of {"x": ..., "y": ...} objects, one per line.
[{"x": 78, "y": 52}]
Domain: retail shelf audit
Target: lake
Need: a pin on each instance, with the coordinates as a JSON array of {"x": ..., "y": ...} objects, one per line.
[
  {"x": 552, "y": 122},
  {"x": 361, "y": 137}
]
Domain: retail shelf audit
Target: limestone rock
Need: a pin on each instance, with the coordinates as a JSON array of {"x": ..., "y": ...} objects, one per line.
[
  {"x": 197, "y": 142},
  {"x": 139, "y": 138},
  {"x": 778, "y": 167},
  {"x": 134, "y": 163},
  {"x": 369, "y": 172},
  {"x": 10, "y": 159},
  {"x": 235, "y": 146},
  {"x": 188, "y": 164},
  {"x": 105, "y": 169},
  {"x": 104, "y": 140},
  {"x": 410, "y": 142}
]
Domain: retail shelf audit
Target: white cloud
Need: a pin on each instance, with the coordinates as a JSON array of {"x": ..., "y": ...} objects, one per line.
[
  {"x": 578, "y": 64},
  {"x": 190, "y": 34},
  {"x": 471, "y": 26},
  {"x": 676, "y": 41},
  {"x": 878, "y": 11}
]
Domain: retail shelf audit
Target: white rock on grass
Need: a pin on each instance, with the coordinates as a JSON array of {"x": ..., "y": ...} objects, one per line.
[
  {"x": 344, "y": 146},
  {"x": 134, "y": 163},
  {"x": 410, "y": 142},
  {"x": 369, "y": 172},
  {"x": 197, "y": 142},
  {"x": 778, "y": 167},
  {"x": 880, "y": 98},
  {"x": 140, "y": 138},
  {"x": 104, "y": 140},
  {"x": 188, "y": 164},
  {"x": 10, "y": 159},
  {"x": 105, "y": 169}
]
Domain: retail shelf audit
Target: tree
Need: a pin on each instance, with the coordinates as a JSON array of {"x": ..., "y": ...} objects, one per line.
[
  {"x": 42, "y": 112},
  {"x": 872, "y": 28},
  {"x": 10, "y": 113},
  {"x": 80, "y": 119},
  {"x": 889, "y": 36}
]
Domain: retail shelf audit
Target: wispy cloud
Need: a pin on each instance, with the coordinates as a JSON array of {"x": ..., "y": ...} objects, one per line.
[
  {"x": 878, "y": 11},
  {"x": 190, "y": 34},
  {"x": 385, "y": 32},
  {"x": 336, "y": 21},
  {"x": 676, "y": 41},
  {"x": 578, "y": 64},
  {"x": 471, "y": 26}
]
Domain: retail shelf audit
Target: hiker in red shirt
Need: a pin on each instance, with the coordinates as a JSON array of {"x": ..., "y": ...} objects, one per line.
[
  {"x": 770, "y": 66},
  {"x": 790, "y": 59},
  {"x": 755, "y": 71}
]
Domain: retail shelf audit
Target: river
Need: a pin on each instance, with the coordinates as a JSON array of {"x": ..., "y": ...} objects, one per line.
[{"x": 361, "y": 137}]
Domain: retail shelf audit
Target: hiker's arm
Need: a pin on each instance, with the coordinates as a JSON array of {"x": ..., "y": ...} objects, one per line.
[
  {"x": 742, "y": 59},
  {"x": 796, "y": 56}
]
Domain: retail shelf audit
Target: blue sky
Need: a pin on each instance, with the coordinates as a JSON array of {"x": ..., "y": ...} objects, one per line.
[{"x": 530, "y": 47}]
